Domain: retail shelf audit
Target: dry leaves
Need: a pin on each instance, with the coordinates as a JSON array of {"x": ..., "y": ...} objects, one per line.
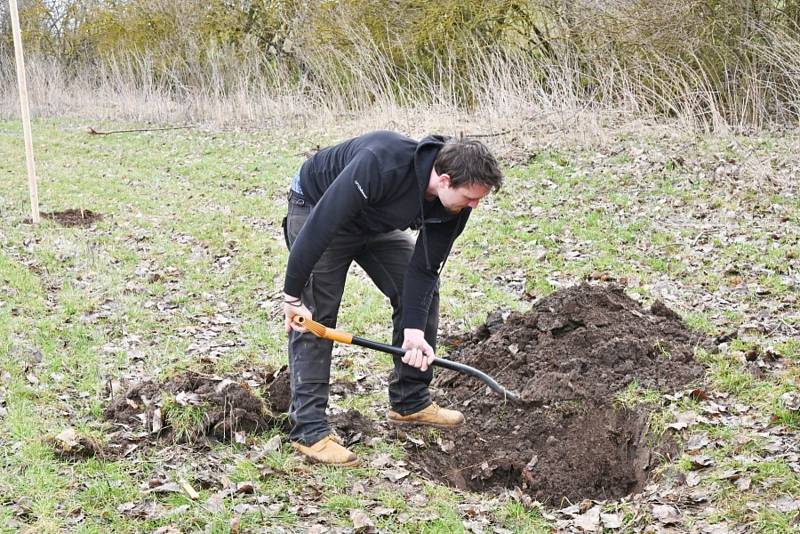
[{"x": 361, "y": 521}]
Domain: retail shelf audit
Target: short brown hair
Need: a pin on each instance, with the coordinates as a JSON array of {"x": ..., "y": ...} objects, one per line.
[{"x": 468, "y": 162}]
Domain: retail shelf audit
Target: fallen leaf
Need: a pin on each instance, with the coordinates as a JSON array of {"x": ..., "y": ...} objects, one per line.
[
  {"x": 786, "y": 504},
  {"x": 381, "y": 460},
  {"x": 701, "y": 461},
  {"x": 68, "y": 438},
  {"x": 223, "y": 384},
  {"x": 157, "y": 422},
  {"x": 244, "y": 488},
  {"x": 185, "y": 398},
  {"x": 743, "y": 483},
  {"x": 791, "y": 401},
  {"x": 693, "y": 479},
  {"x": 169, "y": 487},
  {"x": 361, "y": 521},
  {"x": 244, "y": 508},
  {"x": 215, "y": 502},
  {"x": 418, "y": 500},
  {"x": 683, "y": 420},
  {"x": 446, "y": 446},
  {"x": 590, "y": 520},
  {"x": 699, "y": 495},
  {"x": 530, "y": 465},
  {"x": 666, "y": 514},
  {"x": 416, "y": 441},
  {"x": 396, "y": 474},
  {"x": 274, "y": 444},
  {"x": 697, "y": 441},
  {"x": 573, "y": 510},
  {"x": 611, "y": 520},
  {"x": 309, "y": 510},
  {"x": 715, "y": 529},
  {"x": 699, "y": 395}
]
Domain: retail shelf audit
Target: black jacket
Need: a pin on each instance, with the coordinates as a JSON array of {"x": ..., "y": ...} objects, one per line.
[{"x": 372, "y": 184}]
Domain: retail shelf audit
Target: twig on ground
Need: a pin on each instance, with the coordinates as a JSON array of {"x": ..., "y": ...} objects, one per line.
[{"x": 92, "y": 131}]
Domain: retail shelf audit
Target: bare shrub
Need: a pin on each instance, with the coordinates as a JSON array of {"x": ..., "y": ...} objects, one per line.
[{"x": 709, "y": 64}]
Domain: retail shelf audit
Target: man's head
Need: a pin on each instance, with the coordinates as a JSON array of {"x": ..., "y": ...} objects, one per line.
[{"x": 464, "y": 172}]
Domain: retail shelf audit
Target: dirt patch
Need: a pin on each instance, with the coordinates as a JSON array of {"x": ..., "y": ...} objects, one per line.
[
  {"x": 280, "y": 391},
  {"x": 70, "y": 445},
  {"x": 71, "y": 217},
  {"x": 353, "y": 426},
  {"x": 568, "y": 357},
  {"x": 193, "y": 407}
]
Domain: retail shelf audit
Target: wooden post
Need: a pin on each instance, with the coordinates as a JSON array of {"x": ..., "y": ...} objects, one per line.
[{"x": 23, "y": 104}]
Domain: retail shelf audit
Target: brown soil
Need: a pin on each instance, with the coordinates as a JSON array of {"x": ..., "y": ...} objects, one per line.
[
  {"x": 82, "y": 448},
  {"x": 72, "y": 217},
  {"x": 353, "y": 427},
  {"x": 226, "y": 405},
  {"x": 280, "y": 392},
  {"x": 567, "y": 357}
]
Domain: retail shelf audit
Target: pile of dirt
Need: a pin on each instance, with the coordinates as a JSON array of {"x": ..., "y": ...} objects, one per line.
[
  {"x": 192, "y": 407},
  {"x": 72, "y": 217},
  {"x": 568, "y": 357}
]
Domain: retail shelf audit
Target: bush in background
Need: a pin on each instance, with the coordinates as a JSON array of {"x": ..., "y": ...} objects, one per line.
[{"x": 710, "y": 62}]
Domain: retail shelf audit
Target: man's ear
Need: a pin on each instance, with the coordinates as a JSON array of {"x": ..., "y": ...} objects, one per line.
[{"x": 444, "y": 180}]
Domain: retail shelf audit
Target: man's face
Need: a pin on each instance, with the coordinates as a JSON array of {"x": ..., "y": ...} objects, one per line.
[{"x": 455, "y": 199}]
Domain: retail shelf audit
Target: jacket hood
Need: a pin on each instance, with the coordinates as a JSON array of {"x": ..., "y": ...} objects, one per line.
[{"x": 427, "y": 150}]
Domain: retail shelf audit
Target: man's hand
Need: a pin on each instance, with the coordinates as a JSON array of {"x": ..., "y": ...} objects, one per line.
[
  {"x": 418, "y": 353},
  {"x": 293, "y": 306}
]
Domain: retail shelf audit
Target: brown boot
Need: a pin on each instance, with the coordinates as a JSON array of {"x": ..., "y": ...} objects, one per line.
[
  {"x": 327, "y": 451},
  {"x": 433, "y": 415}
]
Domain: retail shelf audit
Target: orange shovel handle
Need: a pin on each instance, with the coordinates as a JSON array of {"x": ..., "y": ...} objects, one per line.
[{"x": 323, "y": 331}]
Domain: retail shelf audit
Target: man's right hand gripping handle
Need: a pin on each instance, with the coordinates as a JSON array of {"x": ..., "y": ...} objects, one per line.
[{"x": 294, "y": 306}]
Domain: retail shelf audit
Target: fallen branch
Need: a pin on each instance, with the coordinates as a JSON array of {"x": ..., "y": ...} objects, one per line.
[{"x": 92, "y": 131}]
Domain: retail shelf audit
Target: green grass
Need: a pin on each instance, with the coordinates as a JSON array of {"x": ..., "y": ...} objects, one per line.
[
  {"x": 634, "y": 394},
  {"x": 186, "y": 421},
  {"x": 191, "y": 230}
]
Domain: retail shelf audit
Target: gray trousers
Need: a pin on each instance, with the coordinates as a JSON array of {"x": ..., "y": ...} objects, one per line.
[{"x": 385, "y": 258}]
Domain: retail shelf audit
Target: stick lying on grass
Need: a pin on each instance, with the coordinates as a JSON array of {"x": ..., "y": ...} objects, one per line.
[{"x": 92, "y": 131}]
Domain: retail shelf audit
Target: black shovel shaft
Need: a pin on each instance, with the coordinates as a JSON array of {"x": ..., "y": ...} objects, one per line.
[{"x": 440, "y": 362}]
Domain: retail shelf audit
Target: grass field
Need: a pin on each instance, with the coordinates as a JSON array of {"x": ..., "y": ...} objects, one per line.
[{"x": 185, "y": 268}]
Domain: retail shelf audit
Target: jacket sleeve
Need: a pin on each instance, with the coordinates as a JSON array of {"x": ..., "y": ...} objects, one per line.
[
  {"x": 351, "y": 191},
  {"x": 423, "y": 273}
]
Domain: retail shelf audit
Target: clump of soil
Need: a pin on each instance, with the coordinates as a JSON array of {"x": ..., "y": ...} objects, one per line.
[
  {"x": 280, "y": 391},
  {"x": 192, "y": 407},
  {"x": 70, "y": 445},
  {"x": 353, "y": 426},
  {"x": 72, "y": 217},
  {"x": 568, "y": 357}
]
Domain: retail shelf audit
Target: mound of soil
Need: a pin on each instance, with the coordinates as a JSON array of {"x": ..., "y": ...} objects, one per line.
[
  {"x": 191, "y": 407},
  {"x": 280, "y": 391},
  {"x": 567, "y": 357},
  {"x": 72, "y": 217}
]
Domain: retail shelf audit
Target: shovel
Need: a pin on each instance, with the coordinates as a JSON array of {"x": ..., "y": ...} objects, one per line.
[{"x": 343, "y": 337}]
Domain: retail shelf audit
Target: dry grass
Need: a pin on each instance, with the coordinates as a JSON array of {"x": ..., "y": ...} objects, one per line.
[{"x": 499, "y": 89}]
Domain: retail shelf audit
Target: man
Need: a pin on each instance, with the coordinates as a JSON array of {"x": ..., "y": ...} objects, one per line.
[{"x": 353, "y": 201}]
